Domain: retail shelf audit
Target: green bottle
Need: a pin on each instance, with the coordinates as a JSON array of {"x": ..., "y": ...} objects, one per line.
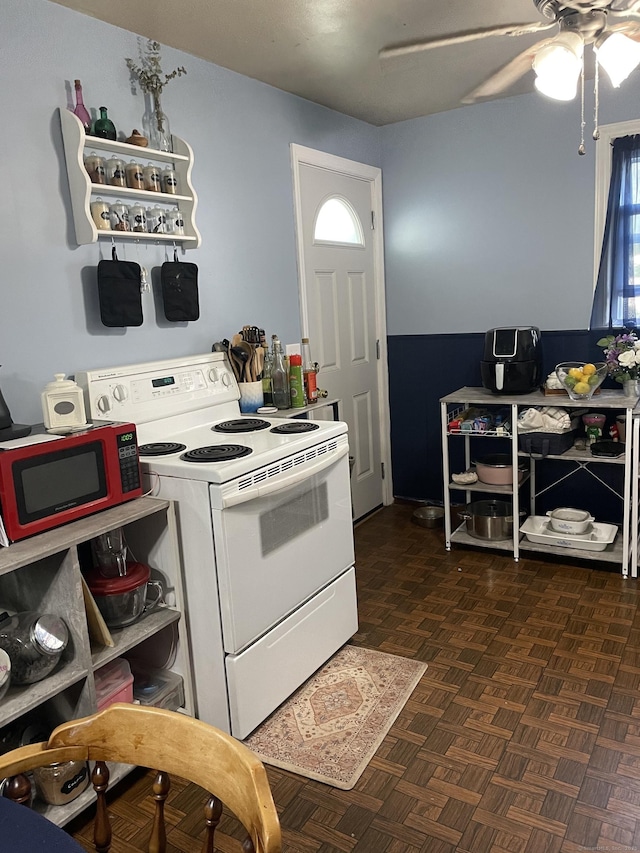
[{"x": 104, "y": 127}]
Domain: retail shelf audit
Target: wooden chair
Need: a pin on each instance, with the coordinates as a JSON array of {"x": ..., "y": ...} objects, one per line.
[{"x": 172, "y": 743}]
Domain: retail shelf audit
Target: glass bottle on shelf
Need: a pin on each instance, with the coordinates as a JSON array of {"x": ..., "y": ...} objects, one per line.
[
  {"x": 309, "y": 373},
  {"x": 156, "y": 124},
  {"x": 104, "y": 127},
  {"x": 266, "y": 379},
  {"x": 279, "y": 378},
  {"x": 80, "y": 110}
]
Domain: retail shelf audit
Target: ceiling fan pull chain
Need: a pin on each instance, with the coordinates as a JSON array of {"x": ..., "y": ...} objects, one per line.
[
  {"x": 596, "y": 106},
  {"x": 581, "y": 148}
]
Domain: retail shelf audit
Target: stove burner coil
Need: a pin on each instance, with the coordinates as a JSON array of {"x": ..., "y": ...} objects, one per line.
[
  {"x": 241, "y": 425},
  {"x": 292, "y": 427},
  {"x": 161, "y": 448},
  {"x": 216, "y": 453}
]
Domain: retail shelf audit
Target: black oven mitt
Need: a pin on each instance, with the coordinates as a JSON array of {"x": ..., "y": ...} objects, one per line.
[
  {"x": 119, "y": 292},
  {"x": 179, "y": 290}
]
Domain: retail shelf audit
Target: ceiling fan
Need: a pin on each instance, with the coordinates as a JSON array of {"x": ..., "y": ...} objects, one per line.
[{"x": 611, "y": 26}]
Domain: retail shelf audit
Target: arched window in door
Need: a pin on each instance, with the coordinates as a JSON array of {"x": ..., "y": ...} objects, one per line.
[{"x": 338, "y": 223}]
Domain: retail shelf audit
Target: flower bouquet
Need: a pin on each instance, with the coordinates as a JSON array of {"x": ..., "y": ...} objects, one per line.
[{"x": 622, "y": 355}]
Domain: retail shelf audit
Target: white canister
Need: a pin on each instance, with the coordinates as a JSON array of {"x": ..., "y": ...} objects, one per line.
[{"x": 63, "y": 405}]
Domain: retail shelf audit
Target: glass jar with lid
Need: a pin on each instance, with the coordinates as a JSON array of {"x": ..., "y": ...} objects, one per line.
[
  {"x": 175, "y": 221},
  {"x": 151, "y": 178},
  {"x": 135, "y": 178},
  {"x": 169, "y": 181},
  {"x": 119, "y": 216},
  {"x": 100, "y": 214},
  {"x": 95, "y": 166},
  {"x": 62, "y": 782},
  {"x": 157, "y": 220},
  {"x": 137, "y": 217},
  {"x": 116, "y": 175},
  {"x": 34, "y": 643}
]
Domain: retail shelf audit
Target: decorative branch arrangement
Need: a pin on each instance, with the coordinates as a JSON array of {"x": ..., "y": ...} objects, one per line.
[{"x": 150, "y": 75}]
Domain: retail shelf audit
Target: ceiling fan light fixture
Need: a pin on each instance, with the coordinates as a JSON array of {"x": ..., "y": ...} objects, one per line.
[
  {"x": 618, "y": 55},
  {"x": 558, "y": 66}
]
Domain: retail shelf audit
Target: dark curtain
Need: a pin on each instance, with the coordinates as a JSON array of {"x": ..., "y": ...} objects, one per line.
[{"x": 615, "y": 301}]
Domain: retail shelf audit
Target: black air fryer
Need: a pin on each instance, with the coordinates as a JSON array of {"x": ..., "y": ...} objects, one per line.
[{"x": 512, "y": 362}]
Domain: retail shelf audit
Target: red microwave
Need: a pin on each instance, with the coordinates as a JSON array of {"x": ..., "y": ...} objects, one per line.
[{"x": 49, "y": 483}]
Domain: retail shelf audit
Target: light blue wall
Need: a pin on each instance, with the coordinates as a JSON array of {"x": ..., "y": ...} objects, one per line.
[
  {"x": 240, "y": 131},
  {"x": 489, "y": 214},
  {"x": 488, "y": 209}
]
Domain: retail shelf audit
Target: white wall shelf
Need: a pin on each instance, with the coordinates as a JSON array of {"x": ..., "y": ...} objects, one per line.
[{"x": 76, "y": 147}]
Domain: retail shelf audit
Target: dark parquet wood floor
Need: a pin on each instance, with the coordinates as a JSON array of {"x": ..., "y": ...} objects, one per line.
[{"x": 523, "y": 735}]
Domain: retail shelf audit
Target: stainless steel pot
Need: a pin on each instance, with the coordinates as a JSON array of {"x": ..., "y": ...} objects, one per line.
[{"x": 491, "y": 520}]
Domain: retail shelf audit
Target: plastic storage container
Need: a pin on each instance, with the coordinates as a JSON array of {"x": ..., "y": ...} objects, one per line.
[
  {"x": 114, "y": 683},
  {"x": 158, "y": 687}
]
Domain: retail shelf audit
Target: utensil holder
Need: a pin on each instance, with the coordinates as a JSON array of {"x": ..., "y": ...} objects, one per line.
[{"x": 251, "y": 397}]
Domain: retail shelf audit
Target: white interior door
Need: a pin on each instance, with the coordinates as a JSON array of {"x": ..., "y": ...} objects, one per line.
[{"x": 339, "y": 233}]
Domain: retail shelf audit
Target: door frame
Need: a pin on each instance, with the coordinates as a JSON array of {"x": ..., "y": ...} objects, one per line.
[{"x": 303, "y": 156}]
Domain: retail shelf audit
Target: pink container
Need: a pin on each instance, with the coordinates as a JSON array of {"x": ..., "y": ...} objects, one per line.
[
  {"x": 496, "y": 469},
  {"x": 114, "y": 683},
  {"x": 594, "y": 419}
]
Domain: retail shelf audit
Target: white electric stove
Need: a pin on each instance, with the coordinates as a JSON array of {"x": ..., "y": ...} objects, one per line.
[{"x": 264, "y": 515}]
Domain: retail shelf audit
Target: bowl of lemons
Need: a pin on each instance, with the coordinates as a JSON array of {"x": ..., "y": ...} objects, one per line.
[{"x": 581, "y": 379}]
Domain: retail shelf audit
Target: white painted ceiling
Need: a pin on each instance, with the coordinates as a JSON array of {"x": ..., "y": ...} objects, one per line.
[{"x": 327, "y": 50}]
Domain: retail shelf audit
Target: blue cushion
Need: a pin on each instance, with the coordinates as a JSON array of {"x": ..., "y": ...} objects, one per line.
[{"x": 23, "y": 830}]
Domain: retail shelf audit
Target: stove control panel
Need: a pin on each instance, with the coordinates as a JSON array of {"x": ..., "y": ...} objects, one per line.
[
  {"x": 159, "y": 389},
  {"x": 167, "y": 385}
]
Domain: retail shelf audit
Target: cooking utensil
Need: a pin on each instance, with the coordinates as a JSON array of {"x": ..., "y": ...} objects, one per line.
[
  {"x": 497, "y": 469},
  {"x": 243, "y": 352},
  {"x": 491, "y": 520},
  {"x": 259, "y": 361}
]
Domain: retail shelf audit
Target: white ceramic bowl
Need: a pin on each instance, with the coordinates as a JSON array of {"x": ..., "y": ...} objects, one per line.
[{"x": 569, "y": 520}]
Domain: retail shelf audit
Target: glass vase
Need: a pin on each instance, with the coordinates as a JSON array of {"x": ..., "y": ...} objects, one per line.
[
  {"x": 156, "y": 125},
  {"x": 631, "y": 387}
]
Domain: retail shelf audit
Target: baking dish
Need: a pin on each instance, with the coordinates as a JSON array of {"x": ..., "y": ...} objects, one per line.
[{"x": 569, "y": 520}]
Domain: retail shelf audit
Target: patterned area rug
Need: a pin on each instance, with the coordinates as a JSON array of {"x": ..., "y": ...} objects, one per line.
[{"x": 330, "y": 728}]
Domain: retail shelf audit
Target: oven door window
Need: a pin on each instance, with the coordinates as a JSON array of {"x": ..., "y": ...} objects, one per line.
[
  {"x": 52, "y": 483},
  {"x": 273, "y": 553},
  {"x": 292, "y": 519}
]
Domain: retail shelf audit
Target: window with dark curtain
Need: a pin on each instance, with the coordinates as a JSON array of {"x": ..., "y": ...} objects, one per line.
[{"x": 616, "y": 301}]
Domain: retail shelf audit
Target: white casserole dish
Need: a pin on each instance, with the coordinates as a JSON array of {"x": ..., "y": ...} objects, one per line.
[
  {"x": 537, "y": 529},
  {"x": 568, "y": 520}
]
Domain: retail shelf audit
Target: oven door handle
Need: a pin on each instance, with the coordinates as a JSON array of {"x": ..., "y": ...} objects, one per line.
[{"x": 279, "y": 484}]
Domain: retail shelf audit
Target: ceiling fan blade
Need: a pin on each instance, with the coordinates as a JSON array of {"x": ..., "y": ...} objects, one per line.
[
  {"x": 631, "y": 6},
  {"x": 627, "y": 13},
  {"x": 462, "y": 37},
  {"x": 629, "y": 29},
  {"x": 507, "y": 75}
]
